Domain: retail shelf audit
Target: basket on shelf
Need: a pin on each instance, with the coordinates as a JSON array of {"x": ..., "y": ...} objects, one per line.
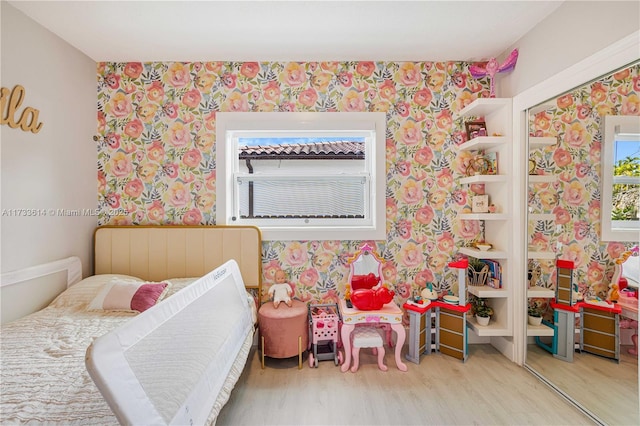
[{"x": 477, "y": 278}]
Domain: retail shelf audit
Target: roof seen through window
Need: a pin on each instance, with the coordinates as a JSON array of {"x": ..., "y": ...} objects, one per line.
[{"x": 291, "y": 141}]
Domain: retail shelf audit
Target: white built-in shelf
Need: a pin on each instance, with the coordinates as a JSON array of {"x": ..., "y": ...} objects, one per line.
[
  {"x": 536, "y": 142},
  {"x": 487, "y": 143},
  {"x": 496, "y": 113},
  {"x": 479, "y": 254},
  {"x": 483, "y": 216},
  {"x": 542, "y": 216},
  {"x": 486, "y": 291},
  {"x": 483, "y": 179},
  {"x": 495, "y": 328},
  {"x": 540, "y": 292},
  {"x": 539, "y": 330},
  {"x": 483, "y": 106},
  {"x": 542, "y": 178},
  {"x": 541, "y": 255}
]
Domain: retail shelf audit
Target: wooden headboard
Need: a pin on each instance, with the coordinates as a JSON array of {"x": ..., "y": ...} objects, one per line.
[{"x": 157, "y": 253}]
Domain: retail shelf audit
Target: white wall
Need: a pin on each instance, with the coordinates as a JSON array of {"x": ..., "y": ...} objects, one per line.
[
  {"x": 575, "y": 31},
  {"x": 55, "y": 168}
]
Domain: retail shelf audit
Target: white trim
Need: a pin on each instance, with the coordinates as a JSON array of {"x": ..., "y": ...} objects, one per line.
[
  {"x": 616, "y": 55},
  {"x": 610, "y": 231},
  {"x": 73, "y": 266},
  {"x": 343, "y": 121},
  {"x": 627, "y": 180}
]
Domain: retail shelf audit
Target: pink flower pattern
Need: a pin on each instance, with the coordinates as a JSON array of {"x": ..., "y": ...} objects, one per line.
[
  {"x": 575, "y": 121},
  {"x": 158, "y": 154}
]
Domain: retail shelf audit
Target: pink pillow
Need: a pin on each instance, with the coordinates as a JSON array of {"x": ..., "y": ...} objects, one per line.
[{"x": 129, "y": 296}]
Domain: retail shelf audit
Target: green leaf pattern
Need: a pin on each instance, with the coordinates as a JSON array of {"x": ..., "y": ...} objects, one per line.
[
  {"x": 575, "y": 120},
  {"x": 157, "y": 158}
]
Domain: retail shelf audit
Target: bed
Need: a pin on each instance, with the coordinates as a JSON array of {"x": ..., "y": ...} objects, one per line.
[{"x": 175, "y": 363}]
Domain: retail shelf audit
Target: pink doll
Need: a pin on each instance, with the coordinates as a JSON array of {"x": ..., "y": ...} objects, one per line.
[{"x": 281, "y": 291}]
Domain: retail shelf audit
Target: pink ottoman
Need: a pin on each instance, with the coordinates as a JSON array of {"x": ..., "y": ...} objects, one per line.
[{"x": 284, "y": 332}]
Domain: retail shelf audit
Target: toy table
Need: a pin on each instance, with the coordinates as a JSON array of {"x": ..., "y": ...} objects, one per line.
[
  {"x": 599, "y": 332},
  {"x": 451, "y": 322},
  {"x": 420, "y": 330},
  {"x": 450, "y": 329},
  {"x": 390, "y": 314},
  {"x": 600, "y": 329}
]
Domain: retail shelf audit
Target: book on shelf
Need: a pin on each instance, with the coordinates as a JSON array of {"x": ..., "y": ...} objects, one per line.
[
  {"x": 492, "y": 159},
  {"x": 495, "y": 271}
]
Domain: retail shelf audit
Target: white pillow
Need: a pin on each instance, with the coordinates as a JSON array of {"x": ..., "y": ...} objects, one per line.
[
  {"x": 129, "y": 295},
  {"x": 83, "y": 292}
]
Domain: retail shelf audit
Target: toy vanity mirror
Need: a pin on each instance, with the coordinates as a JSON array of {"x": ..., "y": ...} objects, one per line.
[
  {"x": 365, "y": 280},
  {"x": 565, "y": 139},
  {"x": 365, "y": 268}
]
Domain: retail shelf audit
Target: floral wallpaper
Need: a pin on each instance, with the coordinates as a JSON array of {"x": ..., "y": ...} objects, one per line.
[
  {"x": 157, "y": 160},
  {"x": 576, "y": 120}
]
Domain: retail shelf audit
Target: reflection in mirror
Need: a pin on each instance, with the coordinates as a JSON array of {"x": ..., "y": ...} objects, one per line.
[
  {"x": 621, "y": 178},
  {"x": 365, "y": 261},
  {"x": 564, "y": 203}
]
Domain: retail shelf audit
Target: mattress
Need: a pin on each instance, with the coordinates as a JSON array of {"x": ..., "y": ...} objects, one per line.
[{"x": 43, "y": 378}]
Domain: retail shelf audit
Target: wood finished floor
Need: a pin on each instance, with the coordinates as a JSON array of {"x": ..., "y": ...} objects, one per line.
[
  {"x": 606, "y": 388},
  {"x": 487, "y": 389}
]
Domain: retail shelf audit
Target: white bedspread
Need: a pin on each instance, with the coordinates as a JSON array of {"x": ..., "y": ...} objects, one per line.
[{"x": 43, "y": 374}]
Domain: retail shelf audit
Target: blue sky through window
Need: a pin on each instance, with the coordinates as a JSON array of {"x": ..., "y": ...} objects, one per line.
[{"x": 626, "y": 148}]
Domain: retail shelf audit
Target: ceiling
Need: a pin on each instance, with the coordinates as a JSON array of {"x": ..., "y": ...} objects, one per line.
[{"x": 288, "y": 30}]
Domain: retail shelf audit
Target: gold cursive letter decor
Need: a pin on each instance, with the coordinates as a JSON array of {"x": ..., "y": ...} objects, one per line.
[{"x": 10, "y": 102}]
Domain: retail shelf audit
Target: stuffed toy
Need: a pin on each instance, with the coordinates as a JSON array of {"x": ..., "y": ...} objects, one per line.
[
  {"x": 613, "y": 295},
  {"x": 367, "y": 299},
  {"x": 281, "y": 291}
]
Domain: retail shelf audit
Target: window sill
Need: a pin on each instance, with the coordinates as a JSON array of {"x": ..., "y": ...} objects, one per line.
[{"x": 319, "y": 234}]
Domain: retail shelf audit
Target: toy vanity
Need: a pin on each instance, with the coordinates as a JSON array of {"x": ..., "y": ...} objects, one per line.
[{"x": 370, "y": 305}]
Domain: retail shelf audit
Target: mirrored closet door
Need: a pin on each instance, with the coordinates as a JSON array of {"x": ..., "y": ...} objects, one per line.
[{"x": 566, "y": 146}]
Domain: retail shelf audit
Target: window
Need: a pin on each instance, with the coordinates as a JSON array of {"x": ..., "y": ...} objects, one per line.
[
  {"x": 621, "y": 179},
  {"x": 302, "y": 176}
]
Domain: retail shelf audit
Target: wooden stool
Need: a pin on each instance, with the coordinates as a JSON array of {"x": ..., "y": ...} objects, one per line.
[
  {"x": 367, "y": 337},
  {"x": 284, "y": 331}
]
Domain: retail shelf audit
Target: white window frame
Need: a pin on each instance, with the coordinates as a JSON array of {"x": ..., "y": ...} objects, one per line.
[
  {"x": 615, "y": 230},
  {"x": 231, "y": 124}
]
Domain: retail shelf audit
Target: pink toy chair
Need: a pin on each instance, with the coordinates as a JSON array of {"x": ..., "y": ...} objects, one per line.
[{"x": 367, "y": 337}]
